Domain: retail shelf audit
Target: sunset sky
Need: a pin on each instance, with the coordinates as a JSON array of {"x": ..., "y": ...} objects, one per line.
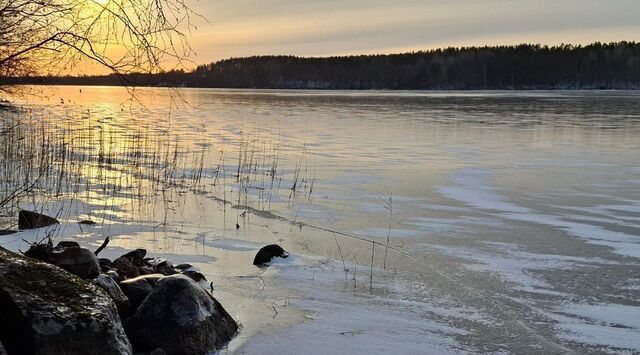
[{"x": 329, "y": 27}]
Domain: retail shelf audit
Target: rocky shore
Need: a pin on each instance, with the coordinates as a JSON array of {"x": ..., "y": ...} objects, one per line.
[{"x": 64, "y": 299}]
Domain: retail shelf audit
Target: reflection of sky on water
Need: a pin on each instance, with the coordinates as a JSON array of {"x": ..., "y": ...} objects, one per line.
[{"x": 537, "y": 188}]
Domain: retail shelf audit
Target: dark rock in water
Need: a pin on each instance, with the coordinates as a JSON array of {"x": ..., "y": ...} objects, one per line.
[
  {"x": 269, "y": 252},
  {"x": 88, "y": 223},
  {"x": 183, "y": 267},
  {"x": 125, "y": 267},
  {"x": 165, "y": 267},
  {"x": 136, "y": 257},
  {"x": 46, "y": 310},
  {"x": 194, "y": 275},
  {"x": 180, "y": 318},
  {"x": 67, "y": 243},
  {"x": 138, "y": 288},
  {"x": 79, "y": 261},
  {"x": 32, "y": 220},
  {"x": 164, "y": 263},
  {"x": 113, "y": 290}
]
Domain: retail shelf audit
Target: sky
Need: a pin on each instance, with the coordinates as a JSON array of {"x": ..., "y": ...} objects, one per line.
[{"x": 338, "y": 27}]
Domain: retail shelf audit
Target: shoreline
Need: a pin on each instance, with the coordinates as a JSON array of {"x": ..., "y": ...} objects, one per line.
[{"x": 633, "y": 88}]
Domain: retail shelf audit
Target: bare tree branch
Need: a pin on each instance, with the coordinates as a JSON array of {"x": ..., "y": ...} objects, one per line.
[{"x": 124, "y": 36}]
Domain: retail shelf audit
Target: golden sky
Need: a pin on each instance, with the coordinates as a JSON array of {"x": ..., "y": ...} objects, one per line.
[
  {"x": 328, "y": 27},
  {"x": 338, "y": 27}
]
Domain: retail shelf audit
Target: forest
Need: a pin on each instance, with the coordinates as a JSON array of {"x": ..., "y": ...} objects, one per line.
[{"x": 522, "y": 67}]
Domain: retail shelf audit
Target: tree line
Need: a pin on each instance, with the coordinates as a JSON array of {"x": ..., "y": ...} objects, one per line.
[{"x": 596, "y": 66}]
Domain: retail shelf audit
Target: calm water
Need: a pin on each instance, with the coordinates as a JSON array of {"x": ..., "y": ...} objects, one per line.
[{"x": 513, "y": 217}]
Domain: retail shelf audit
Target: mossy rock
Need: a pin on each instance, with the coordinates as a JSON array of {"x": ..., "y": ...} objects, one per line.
[{"x": 46, "y": 310}]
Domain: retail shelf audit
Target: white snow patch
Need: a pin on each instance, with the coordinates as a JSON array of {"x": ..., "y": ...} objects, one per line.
[
  {"x": 607, "y": 325},
  {"x": 341, "y": 317},
  {"x": 472, "y": 189}
]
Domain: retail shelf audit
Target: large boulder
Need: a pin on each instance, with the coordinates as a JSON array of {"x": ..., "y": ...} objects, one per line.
[
  {"x": 179, "y": 317},
  {"x": 46, "y": 310},
  {"x": 269, "y": 252},
  {"x": 32, "y": 220}
]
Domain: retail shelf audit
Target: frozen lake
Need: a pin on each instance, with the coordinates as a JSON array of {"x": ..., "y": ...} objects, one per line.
[{"x": 500, "y": 222}]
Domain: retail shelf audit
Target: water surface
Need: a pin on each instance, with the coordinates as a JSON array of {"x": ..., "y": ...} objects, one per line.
[{"x": 513, "y": 218}]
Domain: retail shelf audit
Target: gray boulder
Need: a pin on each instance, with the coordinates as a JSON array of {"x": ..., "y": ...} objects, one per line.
[
  {"x": 179, "y": 317},
  {"x": 32, "y": 220},
  {"x": 46, "y": 310}
]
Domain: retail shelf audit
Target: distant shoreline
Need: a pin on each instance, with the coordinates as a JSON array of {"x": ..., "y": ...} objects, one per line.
[
  {"x": 598, "y": 66},
  {"x": 635, "y": 88}
]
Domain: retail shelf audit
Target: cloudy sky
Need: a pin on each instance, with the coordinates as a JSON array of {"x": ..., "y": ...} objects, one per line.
[{"x": 329, "y": 27}]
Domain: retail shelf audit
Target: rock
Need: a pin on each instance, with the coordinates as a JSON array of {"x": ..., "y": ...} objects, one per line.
[
  {"x": 152, "y": 279},
  {"x": 40, "y": 251},
  {"x": 68, "y": 255},
  {"x": 67, "y": 243},
  {"x": 125, "y": 267},
  {"x": 146, "y": 270},
  {"x": 137, "y": 289},
  {"x": 166, "y": 271},
  {"x": 79, "y": 261},
  {"x": 136, "y": 257},
  {"x": 46, "y": 310},
  {"x": 6, "y": 232},
  {"x": 183, "y": 267},
  {"x": 269, "y": 252},
  {"x": 32, "y": 220},
  {"x": 113, "y": 290},
  {"x": 180, "y": 318},
  {"x": 105, "y": 264},
  {"x": 165, "y": 267},
  {"x": 87, "y": 222},
  {"x": 194, "y": 275},
  {"x": 114, "y": 275}
]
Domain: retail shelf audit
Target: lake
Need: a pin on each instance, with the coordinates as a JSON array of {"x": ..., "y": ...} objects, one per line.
[{"x": 418, "y": 222}]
